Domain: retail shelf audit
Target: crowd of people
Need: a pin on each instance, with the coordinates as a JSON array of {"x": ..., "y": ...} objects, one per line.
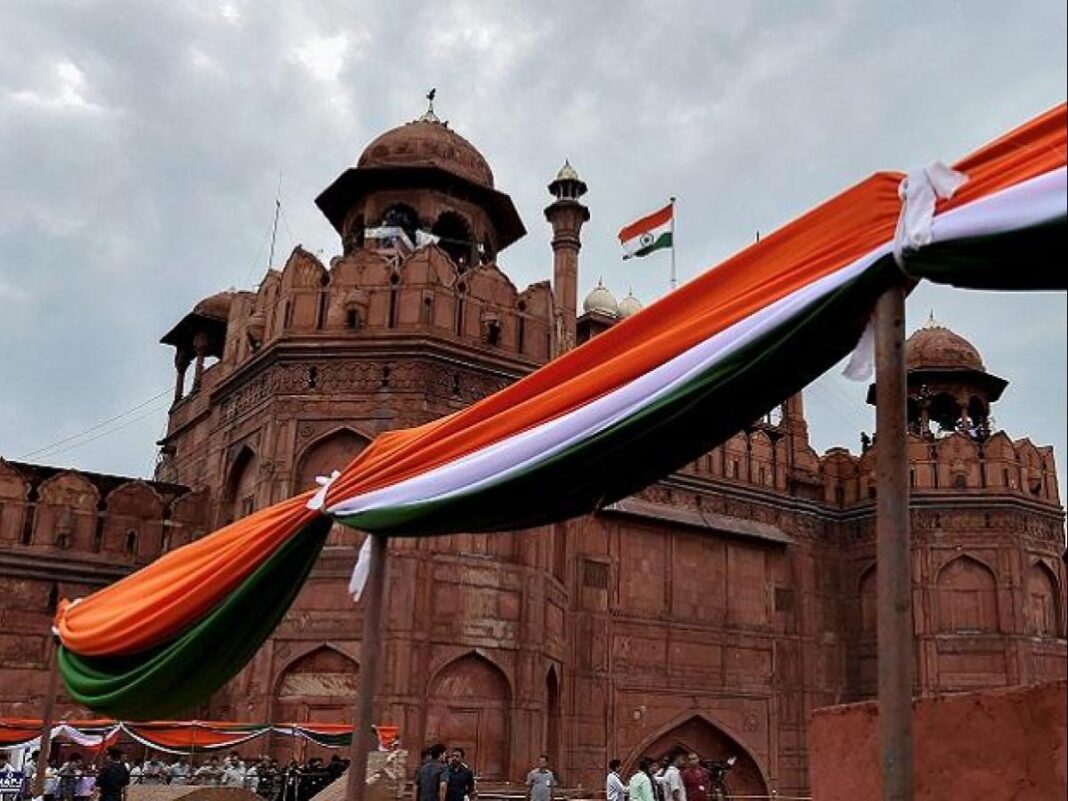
[
  {"x": 75, "y": 779},
  {"x": 680, "y": 777}
]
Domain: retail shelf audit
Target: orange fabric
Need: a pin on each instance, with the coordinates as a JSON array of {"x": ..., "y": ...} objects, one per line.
[
  {"x": 813, "y": 246},
  {"x": 149, "y": 606},
  {"x": 186, "y": 736},
  {"x": 1034, "y": 148},
  {"x": 654, "y": 220}
]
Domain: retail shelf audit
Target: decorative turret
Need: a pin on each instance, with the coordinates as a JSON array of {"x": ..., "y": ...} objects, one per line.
[
  {"x": 566, "y": 215},
  {"x": 424, "y": 176},
  {"x": 949, "y": 388}
]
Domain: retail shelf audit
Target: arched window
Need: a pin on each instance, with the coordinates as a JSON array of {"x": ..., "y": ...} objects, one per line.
[
  {"x": 1043, "y": 618},
  {"x": 455, "y": 239},
  {"x": 967, "y": 598},
  {"x": 130, "y": 545},
  {"x": 869, "y": 616},
  {"x": 402, "y": 216},
  {"x": 241, "y": 488},
  {"x": 552, "y": 716}
]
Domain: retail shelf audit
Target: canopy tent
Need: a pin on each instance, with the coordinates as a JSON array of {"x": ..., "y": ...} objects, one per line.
[
  {"x": 589, "y": 428},
  {"x": 182, "y": 736}
]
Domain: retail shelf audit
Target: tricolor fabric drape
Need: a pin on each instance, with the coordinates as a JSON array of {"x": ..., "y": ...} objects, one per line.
[
  {"x": 180, "y": 737},
  {"x": 598, "y": 423}
]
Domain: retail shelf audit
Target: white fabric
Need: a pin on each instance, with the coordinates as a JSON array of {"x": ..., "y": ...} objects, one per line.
[
  {"x": 361, "y": 570},
  {"x": 1032, "y": 202},
  {"x": 422, "y": 239},
  {"x": 673, "y": 783},
  {"x": 861, "y": 364},
  {"x": 615, "y": 790},
  {"x": 514, "y": 454},
  {"x": 919, "y": 192},
  {"x": 74, "y": 735},
  {"x": 1029, "y": 203},
  {"x": 391, "y": 233},
  {"x": 319, "y": 498}
]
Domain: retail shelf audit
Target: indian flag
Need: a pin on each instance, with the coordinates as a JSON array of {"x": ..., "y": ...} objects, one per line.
[{"x": 653, "y": 232}]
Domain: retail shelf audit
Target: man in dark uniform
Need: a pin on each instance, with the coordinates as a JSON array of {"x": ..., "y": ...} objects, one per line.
[
  {"x": 459, "y": 780},
  {"x": 113, "y": 778},
  {"x": 428, "y": 777}
]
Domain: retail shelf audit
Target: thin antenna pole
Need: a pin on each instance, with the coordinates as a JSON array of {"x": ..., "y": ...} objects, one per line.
[
  {"x": 274, "y": 226},
  {"x": 674, "y": 280}
]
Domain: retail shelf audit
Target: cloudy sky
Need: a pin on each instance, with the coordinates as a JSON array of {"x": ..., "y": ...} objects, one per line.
[{"x": 141, "y": 146}]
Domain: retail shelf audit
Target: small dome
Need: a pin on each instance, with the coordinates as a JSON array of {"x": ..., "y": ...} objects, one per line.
[
  {"x": 601, "y": 300},
  {"x": 427, "y": 142},
  {"x": 629, "y": 306},
  {"x": 935, "y": 347},
  {"x": 217, "y": 305},
  {"x": 567, "y": 173}
]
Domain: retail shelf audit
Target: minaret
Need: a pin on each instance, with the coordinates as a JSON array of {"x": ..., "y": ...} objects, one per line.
[{"x": 566, "y": 215}]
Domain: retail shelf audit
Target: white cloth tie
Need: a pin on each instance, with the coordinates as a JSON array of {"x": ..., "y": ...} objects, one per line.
[
  {"x": 324, "y": 482},
  {"x": 361, "y": 570},
  {"x": 919, "y": 191}
]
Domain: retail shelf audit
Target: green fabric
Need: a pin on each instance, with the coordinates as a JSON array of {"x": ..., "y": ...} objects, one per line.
[
  {"x": 187, "y": 670},
  {"x": 1028, "y": 259},
  {"x": 663, "y": 241},
  {"x": 664, "y": 436}
]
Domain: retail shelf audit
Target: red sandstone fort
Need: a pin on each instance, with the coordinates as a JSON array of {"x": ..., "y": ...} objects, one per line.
[{"x": 716, "y": 609}]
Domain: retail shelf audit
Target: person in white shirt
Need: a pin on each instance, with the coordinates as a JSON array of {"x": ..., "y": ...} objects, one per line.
[
  {"x": 614, "y": 789},
  {"x": 674, "y": 789}
]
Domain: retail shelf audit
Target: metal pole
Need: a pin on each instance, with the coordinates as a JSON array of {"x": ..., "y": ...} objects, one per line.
[
  {"x": 370, "y": 660},
  {"x": 674, "y": 280},
  {"x": 894, "y": 579},
  {"x": 46, "y": 721}
]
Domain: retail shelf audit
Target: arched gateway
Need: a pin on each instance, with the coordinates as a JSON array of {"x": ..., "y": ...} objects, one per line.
[{"x": 699, "y": 735}]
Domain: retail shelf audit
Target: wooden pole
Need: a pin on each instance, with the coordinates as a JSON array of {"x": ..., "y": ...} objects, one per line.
[
  {"x": 894, "y": 576},
  {"x": 46, "y": 721},
  {"x": 370, "y": 661}
]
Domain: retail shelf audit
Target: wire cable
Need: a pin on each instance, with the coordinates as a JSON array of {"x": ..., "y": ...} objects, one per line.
[{"x": 95, "y": 427}]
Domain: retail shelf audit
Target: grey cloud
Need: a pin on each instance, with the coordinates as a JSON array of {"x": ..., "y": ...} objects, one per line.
[{"x": 118, "y": 217}]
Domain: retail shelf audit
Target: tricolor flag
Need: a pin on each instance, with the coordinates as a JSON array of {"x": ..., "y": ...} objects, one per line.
[
  {"x": 592, "y": 426},
  {"x": 650, "y": 233}
]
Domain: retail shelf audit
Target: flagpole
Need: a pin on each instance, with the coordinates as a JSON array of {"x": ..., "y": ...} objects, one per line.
[
  {"x": 674, "y": 280},
  {"x": 370, "y": 662},
  {"x": 896, "y": 646}
]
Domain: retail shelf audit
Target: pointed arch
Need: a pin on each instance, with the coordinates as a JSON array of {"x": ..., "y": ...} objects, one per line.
[
  {"x": 456, "y": 238},
  {"x": 331, "y": 451},
  {"x": 1042, "y": 601},
  {"x": 709, "y": 738},
  {"x": 552, "y": 715},
  {"x": 866, "y": 590},
  {"x": 469, "y": 701},
  {"x": 317, "y": 685},
  {"x": 966, "y": 597},
  {"x": 241, "y": 484}
]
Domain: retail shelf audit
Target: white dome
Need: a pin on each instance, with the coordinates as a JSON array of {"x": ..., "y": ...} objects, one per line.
[
  {"x": 629, "y": 306},
  {"x": 601, "y": 300}
]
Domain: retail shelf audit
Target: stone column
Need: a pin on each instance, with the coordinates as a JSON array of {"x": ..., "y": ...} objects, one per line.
[
  {"x": 200, "y": 347},
  {"x": 182, "y": 359}
]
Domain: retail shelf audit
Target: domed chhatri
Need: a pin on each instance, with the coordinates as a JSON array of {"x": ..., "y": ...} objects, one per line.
[
  {"x": 629, "y": 306},
  {"x": 936, "y": 347},
  {"x": 601, "y": 301},
  {"x": 422, "y": 170},
  {"x": 427, "y": 142},
  {"x": 217, "y": 305}
]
